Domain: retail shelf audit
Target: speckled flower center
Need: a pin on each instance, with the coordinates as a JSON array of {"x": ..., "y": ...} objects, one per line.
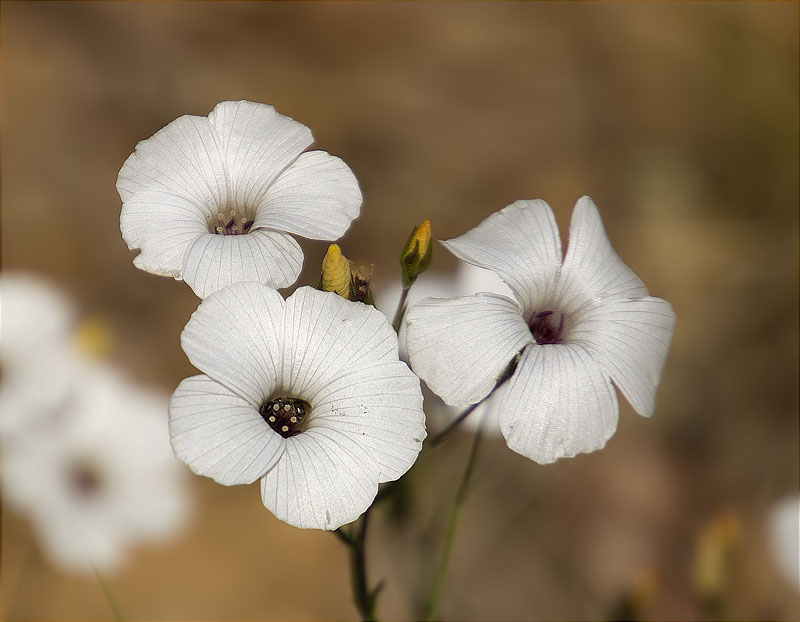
[
  {"x": 231, "y": 222},
  {"x": 285, "y": 415},
  {"x": 547, "y": 327}
]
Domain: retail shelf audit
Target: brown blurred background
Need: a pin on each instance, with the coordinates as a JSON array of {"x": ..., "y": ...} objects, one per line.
[{"x": 679, "y": 119}]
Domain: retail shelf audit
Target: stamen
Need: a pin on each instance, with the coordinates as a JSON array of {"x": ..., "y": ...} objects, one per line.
[{"x": 234, "y": 222}]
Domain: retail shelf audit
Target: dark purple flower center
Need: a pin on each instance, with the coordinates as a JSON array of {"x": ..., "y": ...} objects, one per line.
[
  {"x": 285, "y": 415},
  {"x": 547, "y": 327}
]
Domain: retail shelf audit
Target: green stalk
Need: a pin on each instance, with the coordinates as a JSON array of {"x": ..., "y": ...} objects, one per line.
[
  {"x": 363, "y": 597},
  {"x": 401, "y": 309},
  {"x": 109, "y": 596},
  {"x": 432, "y": 608}
]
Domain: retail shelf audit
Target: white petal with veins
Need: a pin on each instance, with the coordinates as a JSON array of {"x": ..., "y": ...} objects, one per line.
[{"x": 558, "y": 404}]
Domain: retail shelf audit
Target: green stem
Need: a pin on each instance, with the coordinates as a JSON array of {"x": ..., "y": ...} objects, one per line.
[
  {"x": 109, "y": 596},
  {"x": 444, "y": 434},
  {"x": 364, "y": 597},
  {"x": 507, "y": 373},
  {"x": 401, "y": 309},
  {"x": 432, "y": 607}
]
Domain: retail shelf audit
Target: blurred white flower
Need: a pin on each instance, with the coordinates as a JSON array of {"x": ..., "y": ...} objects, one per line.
[
  {"x": 307, "y": 394},
  {"x": 100, "y": 479},
  {"x": 577, "y": 325},
  {"x": 212, "y": 200},
  {"x": 38, "y": 323},
  {"x": 783, "y": 531}
]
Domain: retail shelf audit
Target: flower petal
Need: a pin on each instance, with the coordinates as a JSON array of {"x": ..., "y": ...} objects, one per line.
[
  {"x": 162, "y": 225},
  {"x": 257, "y": 144},
  {"x": 317, "y": 197},
  {"x": 630, "y": 339},
  {"x": 220, "y": 435},
  {"x": 378, "y": 405},
  {"x": 520, "y": 243},
  {"x": 460, "y": 346},
  {"x": 182, "y": 158},
  {"x": 235, "y": 337},
  {"x": 592, "y": 270},
  {"x": 558, "y": 404},
  {"x": 324, "y": 479},
  {"x": 325, "y": 335},
  {"x": 216, "y": 261}
]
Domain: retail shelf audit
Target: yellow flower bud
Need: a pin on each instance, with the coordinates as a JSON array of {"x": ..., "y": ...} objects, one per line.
[
  {"x": 416, "y": 255},
  {"x": 336, "y": 273}
]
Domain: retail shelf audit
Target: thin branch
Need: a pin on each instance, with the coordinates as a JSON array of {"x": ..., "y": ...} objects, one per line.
[
  {"x": 401, "y": 309},
  {"x": 109, "y": 596},
  {"x": 363, "y": 597},
  {"x": 432, "y": 607}
]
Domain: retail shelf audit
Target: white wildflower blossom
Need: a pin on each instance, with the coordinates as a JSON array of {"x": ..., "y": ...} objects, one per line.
[
  {"x": 101, "y": 478},
  {"x": 578, "y": 323},
  {"x": 307, "y": 394},
  {"x": 212, "y": 200}
]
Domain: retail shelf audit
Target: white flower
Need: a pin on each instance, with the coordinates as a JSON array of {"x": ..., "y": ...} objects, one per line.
[
  {"x": 307, "y": 394},
  {"x": 577, "y": 325},
  {"x": 467, "y": 280},
  {"x": 38, "y": 323},
  {"x": 212, "y": 200},
  {"x": 783, "y": 531},
  {"x": 100, "y": 479}
]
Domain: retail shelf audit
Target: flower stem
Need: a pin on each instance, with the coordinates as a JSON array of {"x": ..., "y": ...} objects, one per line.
[
  {"x": 401, "y": 309},
  {"x": 109, "y": 596},
  {"x": 444, "y": 434},
  {"x": 507, "y": 373},
  {"x": 432, "y": 607},
  {"x": 363, "y": 596}
]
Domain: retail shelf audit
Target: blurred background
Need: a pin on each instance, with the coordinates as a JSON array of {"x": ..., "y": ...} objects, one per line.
[{"x": 679, "y": 119}]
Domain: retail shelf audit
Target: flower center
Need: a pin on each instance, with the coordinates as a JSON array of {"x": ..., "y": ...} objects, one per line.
[
  {"x": 285, "y": 415},
  {"x": 84, "y": 479},
  {"x": 232, "y": 223},
  {"x": 545, "y": 328}
]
